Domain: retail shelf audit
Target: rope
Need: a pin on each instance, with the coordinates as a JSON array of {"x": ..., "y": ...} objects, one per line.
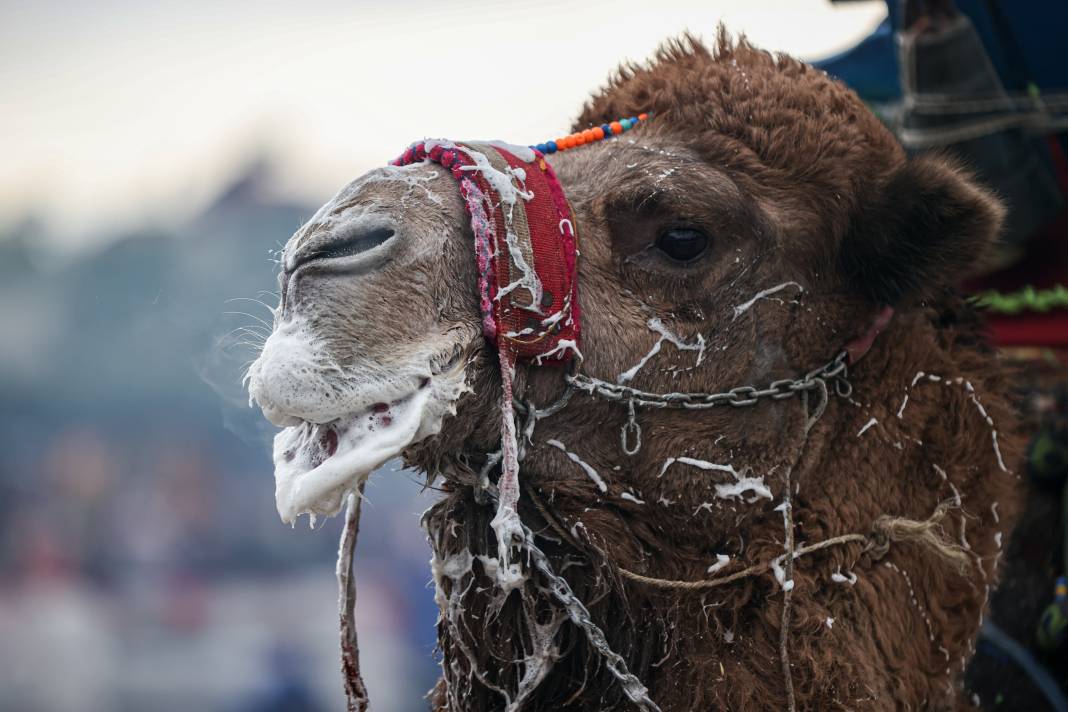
[
  {"x": 787, "y": 582},
  {"x": 885, "y": 530},
  {"x": 927, "y": 532},
  {"x": 356, "y": 699}
]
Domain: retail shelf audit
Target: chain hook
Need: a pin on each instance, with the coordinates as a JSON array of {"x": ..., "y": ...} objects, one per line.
[
  {"x": 842, "y": 386},
  {"x": 631, "y": 432}
]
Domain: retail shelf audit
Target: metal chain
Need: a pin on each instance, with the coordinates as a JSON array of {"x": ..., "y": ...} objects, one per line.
[
  {"x": 631, "y": 434},
  {"x": 738, "y": 397},
  {"x": 630, "y": 437}
]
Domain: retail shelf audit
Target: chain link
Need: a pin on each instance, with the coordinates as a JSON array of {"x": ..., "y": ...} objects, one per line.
[
  {"x": 630, "y": 437},
  {"x": 742, "y": 396}
]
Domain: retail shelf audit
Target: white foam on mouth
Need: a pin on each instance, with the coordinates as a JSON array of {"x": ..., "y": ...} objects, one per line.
[
  {"x": 313, "y": 478},
  {"x": 364, "y": 442}
]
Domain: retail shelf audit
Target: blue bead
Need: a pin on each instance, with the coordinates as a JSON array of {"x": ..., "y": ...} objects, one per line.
[
  {"x": 607, "y": 130},
  {"x": 550, "y": 147},
  {"x": 634, "y": 121},
  {"x": 541, "y": 147},
  {"x": 625, "y": 123}
]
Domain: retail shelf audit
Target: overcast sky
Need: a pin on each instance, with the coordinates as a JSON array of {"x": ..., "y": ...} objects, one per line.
[{"x": 118, "y": 112}]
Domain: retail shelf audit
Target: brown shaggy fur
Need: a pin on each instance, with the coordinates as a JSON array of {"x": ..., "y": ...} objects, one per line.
[
  {"x": 794, "y": 180},
  {"x": 823, "y": 188}
]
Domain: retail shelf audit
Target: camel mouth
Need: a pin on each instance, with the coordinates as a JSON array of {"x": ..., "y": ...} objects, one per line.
[{"x": 318, "y": 464}]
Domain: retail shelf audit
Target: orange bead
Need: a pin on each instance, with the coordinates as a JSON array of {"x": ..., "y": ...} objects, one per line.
[
  {"x": 590, "y": 134},
  {"x": 598, "y": 133},
  {"x": 562, "y": 144},
  {"x": 617, "y": 128},
  {"x": 643, "y": 117},
  {"x": 580, "y": 140}
]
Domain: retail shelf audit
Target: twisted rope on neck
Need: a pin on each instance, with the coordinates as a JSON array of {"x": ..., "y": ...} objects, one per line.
[
  {"x": 356, "y": 699},
  {"x": 885, "y": 531}
]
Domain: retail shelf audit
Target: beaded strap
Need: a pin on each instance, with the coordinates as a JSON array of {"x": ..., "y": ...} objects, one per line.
[{"x": 597, "y": 133}]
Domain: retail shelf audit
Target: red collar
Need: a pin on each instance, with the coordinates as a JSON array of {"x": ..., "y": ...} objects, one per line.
[{"x": 862, "y": 344}]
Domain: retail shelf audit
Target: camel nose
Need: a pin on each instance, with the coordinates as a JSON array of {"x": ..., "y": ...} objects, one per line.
[{"x": 340, "y": 249}]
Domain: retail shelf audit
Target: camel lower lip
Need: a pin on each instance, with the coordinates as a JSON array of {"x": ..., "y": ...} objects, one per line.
[{"x": 316, "y": 465}]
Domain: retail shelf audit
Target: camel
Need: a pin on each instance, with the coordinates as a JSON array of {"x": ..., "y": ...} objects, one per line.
[{"x": 831, "y": 547}]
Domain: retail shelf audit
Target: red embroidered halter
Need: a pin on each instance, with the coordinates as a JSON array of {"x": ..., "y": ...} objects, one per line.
[
  {"x": 525, "y": 240},
  {"x": 525, "y": 245}
]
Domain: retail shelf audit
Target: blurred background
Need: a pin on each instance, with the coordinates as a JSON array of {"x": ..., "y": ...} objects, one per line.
[{"x": 154, "y": 157}]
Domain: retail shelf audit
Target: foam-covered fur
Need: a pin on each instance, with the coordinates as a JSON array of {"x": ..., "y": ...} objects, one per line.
[
  {"x": 802, "y": 183},
  {"x": 815, "y": 220}
]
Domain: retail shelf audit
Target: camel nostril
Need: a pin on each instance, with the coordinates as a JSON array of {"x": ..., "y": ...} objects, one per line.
[{"x": 346, "y": 245}]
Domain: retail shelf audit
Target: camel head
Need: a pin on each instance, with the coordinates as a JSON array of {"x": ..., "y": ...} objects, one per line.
[
  {"x": 754, "y": 225},
  {"x": 759, "y": 223}
]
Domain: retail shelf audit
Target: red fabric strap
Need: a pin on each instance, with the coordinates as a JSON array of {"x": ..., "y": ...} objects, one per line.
[{"x": 525, "y": 245}]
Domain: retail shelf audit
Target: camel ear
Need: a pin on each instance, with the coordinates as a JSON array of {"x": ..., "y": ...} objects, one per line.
[{"x": 929, "y": 223}]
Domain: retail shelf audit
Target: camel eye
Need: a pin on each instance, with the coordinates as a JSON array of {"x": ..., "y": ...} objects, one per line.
[{"x": 682, "y": 244}]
